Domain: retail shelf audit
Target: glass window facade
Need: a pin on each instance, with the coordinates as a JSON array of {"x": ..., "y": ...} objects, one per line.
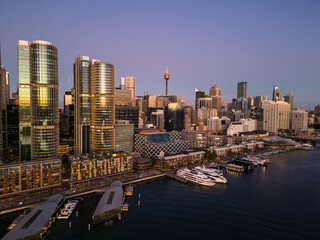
[
  {"x": 102, "y": 107},
  {"x": 82, "y": 84}
]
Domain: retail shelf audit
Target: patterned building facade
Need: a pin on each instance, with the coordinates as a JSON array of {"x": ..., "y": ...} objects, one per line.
[{"x": 152, "y": 144}]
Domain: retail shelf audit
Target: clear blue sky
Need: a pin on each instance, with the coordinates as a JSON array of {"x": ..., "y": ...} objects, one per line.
[{"x": 265, "y": 43}]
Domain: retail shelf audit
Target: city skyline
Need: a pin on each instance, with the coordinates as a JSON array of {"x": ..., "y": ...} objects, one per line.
[{"x": 265, "y": 44}]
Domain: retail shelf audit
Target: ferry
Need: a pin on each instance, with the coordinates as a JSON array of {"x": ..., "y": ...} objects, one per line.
[
  {"x": 235, "y": 168},
  {"x": 259, "y": 160},
  {"x": 125, "y": 207},
  {"x": 128, "y": 190},
  {"x": 212, "y": 174},
  {"x": 68, "y": 208},
  {"x": 307, "y": 147},
  {"x": 195, "y": 177}
]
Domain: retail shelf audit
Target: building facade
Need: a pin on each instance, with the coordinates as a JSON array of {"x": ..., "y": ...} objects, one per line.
[
  {"x": 31, "y": 175},
  {"x": 124, "y": 135},
  {"x": 152, "y": 144},
  {"x": 82, "y": 98},
  {"x": 270, "y": 116},
  {"x": 197, "y": 139},
  {"x": 90, "y": 166},
  {"x": 38, "y": 100},
  {"x": 299, "y": 120},
  {"x": 242, "y": 90},
  {"x": 102, "y": 106}
]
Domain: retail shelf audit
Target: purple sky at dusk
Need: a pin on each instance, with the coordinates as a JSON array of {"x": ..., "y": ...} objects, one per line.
[{"x": 265, "y": 43}]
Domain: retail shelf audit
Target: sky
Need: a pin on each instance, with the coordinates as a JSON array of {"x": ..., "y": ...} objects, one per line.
[{"x": 265, "y": 43}]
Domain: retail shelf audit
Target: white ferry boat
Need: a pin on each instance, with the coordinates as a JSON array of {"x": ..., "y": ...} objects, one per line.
[
  {"x": 211, "y": 173},
  {"x": 67, "y": 210},
  {"x": 195, "y": 177}
]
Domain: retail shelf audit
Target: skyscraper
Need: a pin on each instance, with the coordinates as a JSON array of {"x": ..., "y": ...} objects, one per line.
[
  {"x": 289, "y": 99},
  {"x": 215, "y": 94},
  {"x": 258, "y": 101},
  {"x": 270, "y": 116},
  {"x": 82, "y": 100},
  {"x": 276, "y": 94},
  {"x": 242, "y": 90},
  {"x": 24, "y": 100},
  {"x": 299, "y": 120},
  {"x": 131, "y": 85},
  {"x": 198, "y": 94},
  {"x": 38, "y": 100},
  {"x": 284, "y": 115},
  {"x": 174, "y": 117},
  {"x": 102, "y": 106}
]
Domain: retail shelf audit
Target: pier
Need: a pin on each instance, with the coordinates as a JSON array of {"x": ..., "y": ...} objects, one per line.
[{"x": 175, "y": 177}]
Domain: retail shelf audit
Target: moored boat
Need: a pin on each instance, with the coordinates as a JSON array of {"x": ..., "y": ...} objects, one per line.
[{"x": 195, "y": 177}]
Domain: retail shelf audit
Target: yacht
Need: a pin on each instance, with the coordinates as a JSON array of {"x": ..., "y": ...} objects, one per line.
[
  {"x": 211, "y": 173},
  {"x": 67, "y": 210},
  {"x": 195, "y": 177},
  {"x": 211, "y": 170}
]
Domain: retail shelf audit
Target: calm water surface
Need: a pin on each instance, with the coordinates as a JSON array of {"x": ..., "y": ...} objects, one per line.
[{"x": 281, "y": 201}]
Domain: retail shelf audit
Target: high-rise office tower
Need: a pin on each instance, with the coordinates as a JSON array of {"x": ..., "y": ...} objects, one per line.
[
  {"x": 258, "y": 101},
  {"x": 284, "y": 115},
  {"x": 24, "y": 100},
  {"x": 289, "y": 99},
  {"x": 276, "y": 94},
  {"x": 102, "y": 106},
  {"x": 82, "y": 101},
  {"x": 38, "y": 100},
  {"x": 215, "y": 94},
  {"x": 299, "y": 120},
  {"x": 123, "y": 83},
  {"x": 317, "y": 110},
  {"x": 174, "y": 117},
  {"x": 270, "y": 116},
  {"x": 131, "y": 85},
  {"x": 242, "y": 90},
  {"x": 198, "y": 94}
]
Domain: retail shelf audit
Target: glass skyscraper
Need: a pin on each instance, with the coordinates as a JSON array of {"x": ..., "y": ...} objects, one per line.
[
  {"x": 38, "y": 100},
  {"x": 242, "y": 90},
  {"x": 102, "y": 106},
  {"x": 82, "y": 85}
]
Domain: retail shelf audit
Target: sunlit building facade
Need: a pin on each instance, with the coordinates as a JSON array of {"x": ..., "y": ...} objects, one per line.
[
  {"x": 31, "y": 175},
  {"x": 102, "y": 106},
  {"x": 38, "y": 100}
]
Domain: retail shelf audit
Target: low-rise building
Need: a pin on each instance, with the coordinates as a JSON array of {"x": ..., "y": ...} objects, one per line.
[
  {"x": 90, "y": 166},
  {"x": 182, "y": 159},
  {"x": 28, "y": 176},
  {"x": 244, "y": 125}
]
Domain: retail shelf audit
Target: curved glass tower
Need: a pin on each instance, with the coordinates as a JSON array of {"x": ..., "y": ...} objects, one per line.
[
  {"x": 44, "y": 96},
  {"x": 102, "y": 106},
  {"x": 82, "y": 85}
]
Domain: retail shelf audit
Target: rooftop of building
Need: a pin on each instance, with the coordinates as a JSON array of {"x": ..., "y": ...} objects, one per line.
[
  {"x": 111, "y": 199},
  {"x": 35, "y": 220}
]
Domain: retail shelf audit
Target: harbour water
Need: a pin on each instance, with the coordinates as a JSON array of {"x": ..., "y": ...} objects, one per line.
[{"x": 281, "y": 201}]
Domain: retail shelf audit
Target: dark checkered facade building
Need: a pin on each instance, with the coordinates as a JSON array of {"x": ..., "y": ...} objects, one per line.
[{"x": 152, "y": 144}]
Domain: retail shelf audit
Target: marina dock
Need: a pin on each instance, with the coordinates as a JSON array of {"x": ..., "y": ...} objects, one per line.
[{"x": 175, "y": 177}]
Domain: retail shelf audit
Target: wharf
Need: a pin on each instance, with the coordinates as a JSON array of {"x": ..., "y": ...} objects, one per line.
[
  {"x": 175, "y": 177},
  {"x": 145, "y": 179}
]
